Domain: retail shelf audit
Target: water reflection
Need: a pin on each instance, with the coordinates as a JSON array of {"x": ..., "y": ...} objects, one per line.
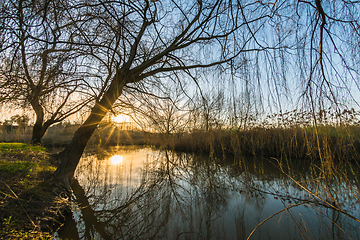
[
  {"x": 148, "y": 194},
  {"x": 116, "y": 159}
]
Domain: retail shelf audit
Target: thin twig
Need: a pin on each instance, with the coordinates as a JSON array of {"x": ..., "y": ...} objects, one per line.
[{"x": 285, "y": 209}]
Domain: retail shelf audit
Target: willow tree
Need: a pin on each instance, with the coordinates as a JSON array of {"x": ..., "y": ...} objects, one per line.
[
  {"x": 328, "y": 52},
  {"x": 126, "y": 43},
  {"x": 38, "y": 66},
  {"x": 133, "y": 42}
]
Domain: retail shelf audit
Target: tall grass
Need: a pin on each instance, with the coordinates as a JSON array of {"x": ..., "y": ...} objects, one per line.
[
  {"x": 325, "y": 142},
  {"x": 291, "y": 135}
]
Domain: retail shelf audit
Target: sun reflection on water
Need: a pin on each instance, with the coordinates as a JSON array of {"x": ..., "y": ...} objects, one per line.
[{"x": 116, "y": 159}]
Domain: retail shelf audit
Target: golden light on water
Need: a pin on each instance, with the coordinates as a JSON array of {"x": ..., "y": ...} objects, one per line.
[{"x": 116, "y": 159}]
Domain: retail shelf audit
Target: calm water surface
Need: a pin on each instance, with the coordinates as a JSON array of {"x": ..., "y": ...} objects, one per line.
[{"x": 132, "y": 193}]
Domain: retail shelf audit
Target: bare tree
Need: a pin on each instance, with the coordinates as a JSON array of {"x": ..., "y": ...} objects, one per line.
[
  {"x": 115, "y": 45},
  {"x": 37, "y": 68},
  {"x": 146, "y": 41}
]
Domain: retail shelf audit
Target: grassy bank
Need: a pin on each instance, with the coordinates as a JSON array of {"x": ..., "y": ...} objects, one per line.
[{"x": 28, "y": 207}]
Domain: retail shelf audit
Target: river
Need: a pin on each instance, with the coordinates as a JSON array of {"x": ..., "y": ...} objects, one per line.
[{"x": 142, "y": 193}]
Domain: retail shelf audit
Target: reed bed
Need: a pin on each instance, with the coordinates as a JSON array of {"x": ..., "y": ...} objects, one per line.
[
  {"x": 333, "y": 143},
  {"x": 329, "y": 136}
]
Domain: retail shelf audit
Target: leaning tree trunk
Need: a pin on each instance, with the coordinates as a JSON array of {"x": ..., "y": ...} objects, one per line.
[
  {"x": 70, "y": 156},
  {"x": 38, "y": 129}
]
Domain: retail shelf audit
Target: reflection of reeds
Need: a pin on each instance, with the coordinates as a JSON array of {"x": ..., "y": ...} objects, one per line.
[{"x": 335, "y": 192}]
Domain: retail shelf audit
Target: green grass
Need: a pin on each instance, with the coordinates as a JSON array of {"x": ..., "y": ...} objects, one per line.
[
  {"x": 17, "y": 167},
  {"x": 22, "y": 160},
  {"x": 20, "y": 146}
]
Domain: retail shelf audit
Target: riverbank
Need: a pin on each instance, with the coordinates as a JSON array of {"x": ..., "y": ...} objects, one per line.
[{"x": 28, "y": 206}]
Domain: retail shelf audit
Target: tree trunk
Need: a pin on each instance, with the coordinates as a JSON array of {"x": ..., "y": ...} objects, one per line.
[
  {"x": 37, "y": 134},
  {"x": 38, "y": 130},
  {"x": 70, "y": 156},
  {"x": 40, "y": 127}
]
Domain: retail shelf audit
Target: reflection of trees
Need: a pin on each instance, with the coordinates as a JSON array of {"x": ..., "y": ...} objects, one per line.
[
  {"x": 181, "y": 196},
  {"x": 199, "y": 194},
  {"x": 118, "y": 212},
  {"x": 89, "y": 215},
  {"x": 168, "y": 188},
  {"x": 333, "y": 198}
]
